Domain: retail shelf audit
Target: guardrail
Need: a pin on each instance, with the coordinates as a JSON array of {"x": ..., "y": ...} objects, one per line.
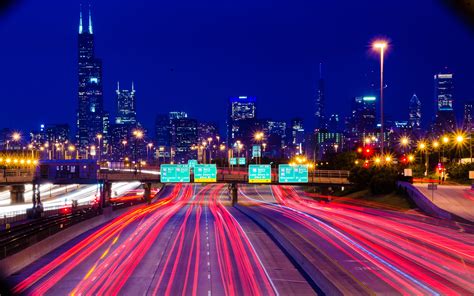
[{"x": 24, "y": 235}]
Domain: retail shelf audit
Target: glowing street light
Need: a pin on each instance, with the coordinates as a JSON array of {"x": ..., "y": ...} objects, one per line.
[
  {"x": 16, "y": 137},
  {"x": 381, "y": 45},
  {"x": 404, "y": 141},
  {"x": 138, "y": 134}
]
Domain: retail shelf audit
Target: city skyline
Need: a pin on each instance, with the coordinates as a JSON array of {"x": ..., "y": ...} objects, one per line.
[{"x": 267, "y": 100}]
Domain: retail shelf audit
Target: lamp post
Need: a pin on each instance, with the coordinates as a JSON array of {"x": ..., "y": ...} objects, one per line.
[
  {"x": 99, "y": 137},
  {"x": 138, "y": 134},
  {"x": 459, "y": 142},
  {"x": 381, "y": 46},
  {"x": 210, "y": 149},
  {"x": 404, "y": 142},
  {"x": 422, "y": 147},
  {"x": 258, "y": 136},
  {"x": 148, "y": 147}
]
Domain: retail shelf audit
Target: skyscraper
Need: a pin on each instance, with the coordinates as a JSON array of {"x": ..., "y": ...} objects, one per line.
[
  {"x": 91, "y": 117},
  {"x": 126, "y": 109},
  {"x": 185, "y": 135},
  {"x": 320, "y": 98},
  {"x": 443, "y": 89},
  {"x": 363, "y": 115},
  {"x": 467, "y": 118},
  {"x": 297, "y": 135},
  {"x": 414, "y": 113},
  {"x": 241, "y": 119}
]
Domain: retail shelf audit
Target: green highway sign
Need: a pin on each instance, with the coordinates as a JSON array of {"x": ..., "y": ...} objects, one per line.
[
  {"x": 260, "y": 173},
  {"x": 172, "y": 173},
  {"x": 292, "y": 173},
  {"x": 205, "y": 173},
  {"x": 256, "y": 151},
  {"x": 239, "y": 160},
  {"x": 192, "y": 163}
]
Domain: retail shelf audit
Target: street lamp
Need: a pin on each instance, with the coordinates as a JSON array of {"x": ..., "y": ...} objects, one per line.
[
  {"x": 138, "y": 136},
  {"x": 422, "y": 147},
  {"x": 148, "y": 147},
  {"x": 210, "y": 149},
  {"x": 258, "y": 136},
  {"x": 459, "y": 142},
  {"x": 99, "y": 137},
  {"x": 381, "y": 45},
  {"x": 435, "y": 145},
  {"x": 71, "y": 149}
]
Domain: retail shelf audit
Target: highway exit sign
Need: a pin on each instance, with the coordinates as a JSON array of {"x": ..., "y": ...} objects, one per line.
[
  {"x": 204, "y": 173},
  {"x": 192, "y": 163},
  {"x": 174, "y": 173},
  {"x": 292, "y": 173},
  {"x": 260, "y": 173}
]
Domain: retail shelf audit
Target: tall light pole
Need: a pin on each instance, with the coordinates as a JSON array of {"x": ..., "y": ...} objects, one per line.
[
  {"x": 380, "y": 46},
  {"x": 99, "y": 137}
]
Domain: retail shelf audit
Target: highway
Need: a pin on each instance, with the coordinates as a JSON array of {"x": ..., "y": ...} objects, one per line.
[
  {"x": 357, "y": 250},
  {"x": 456, "y": 199},
  {"x": 275, "y": 242},
  {"x": 186, "y": 243}
]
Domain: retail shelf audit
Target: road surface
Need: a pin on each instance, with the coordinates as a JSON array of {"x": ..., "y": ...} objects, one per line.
[
  {"x": 188, "y": 242},
  {"x": 357, "y": 250},
  {"x": 456, "y": 199}
]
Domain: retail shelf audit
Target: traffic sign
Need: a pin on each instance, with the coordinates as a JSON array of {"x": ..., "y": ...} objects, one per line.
[
  {"x": 205, "y": 173},
  {"x": 239, "y": 160},
  {"x": 192, "y": 163},
  {"x": 172, "y": 173},
  {"x": 292, "y": 173},
  {"x": 256, "y": 151},
  {"x": 260, "y": 173}
]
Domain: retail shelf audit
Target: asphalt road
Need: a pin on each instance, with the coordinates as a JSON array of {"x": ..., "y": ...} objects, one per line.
[
  {"x": 275, "y": 242},
  {"x": 189, "y": 242},
  {"x": 357, "y": 250}
]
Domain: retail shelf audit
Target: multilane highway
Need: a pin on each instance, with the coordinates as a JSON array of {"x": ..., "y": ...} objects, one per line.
[{"x": 276, "y": 241}]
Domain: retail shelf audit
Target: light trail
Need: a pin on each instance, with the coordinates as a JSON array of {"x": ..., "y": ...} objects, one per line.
[{"x": 403, "y": 251}]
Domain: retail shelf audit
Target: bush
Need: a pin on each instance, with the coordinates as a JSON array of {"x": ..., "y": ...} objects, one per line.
[
  {"x": 459, "y": 172},
  {"x": 380, "y": 180},
  {"x": 383, "y": 181}
]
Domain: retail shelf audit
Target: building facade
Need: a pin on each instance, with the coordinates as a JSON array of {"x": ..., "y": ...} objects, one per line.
[
  {"x": 91, "y": 116},
  {"x": 126, "y": 107}
]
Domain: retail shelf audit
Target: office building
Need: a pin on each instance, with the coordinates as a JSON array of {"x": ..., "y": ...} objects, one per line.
[
  {"x": 414, "y": 113},
  {"x": 126, "y": 108},
  {"x": 241, "y": 120},
  {"x": 445, "y": 120},
  {"x": 91, "y": 117}
]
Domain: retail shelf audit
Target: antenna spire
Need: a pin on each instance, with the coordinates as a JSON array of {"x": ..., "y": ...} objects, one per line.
[
  {"x": 80, "y": 19},
  {"x": 90, "y": 20}
]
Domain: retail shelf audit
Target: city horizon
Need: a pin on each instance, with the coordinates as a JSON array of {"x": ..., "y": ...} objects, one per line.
[{"x": 266, "y": 110}]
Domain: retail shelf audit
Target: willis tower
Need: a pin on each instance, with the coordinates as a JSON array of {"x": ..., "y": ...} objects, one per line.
[{"x": 92, "y": 120}]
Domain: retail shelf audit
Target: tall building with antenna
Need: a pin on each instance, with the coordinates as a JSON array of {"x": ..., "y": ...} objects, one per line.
[
  {"x": 320, "y": 98},
  {"x": 91, "y": 117}
]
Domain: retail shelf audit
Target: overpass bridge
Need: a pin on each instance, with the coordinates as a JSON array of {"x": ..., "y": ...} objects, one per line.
[
  {"x": 225, "y": 175},
  {"x": 88, "y": 172}
]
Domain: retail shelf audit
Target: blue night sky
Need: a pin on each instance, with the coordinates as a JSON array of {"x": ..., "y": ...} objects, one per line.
[{"x": 193, "y": 55}]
